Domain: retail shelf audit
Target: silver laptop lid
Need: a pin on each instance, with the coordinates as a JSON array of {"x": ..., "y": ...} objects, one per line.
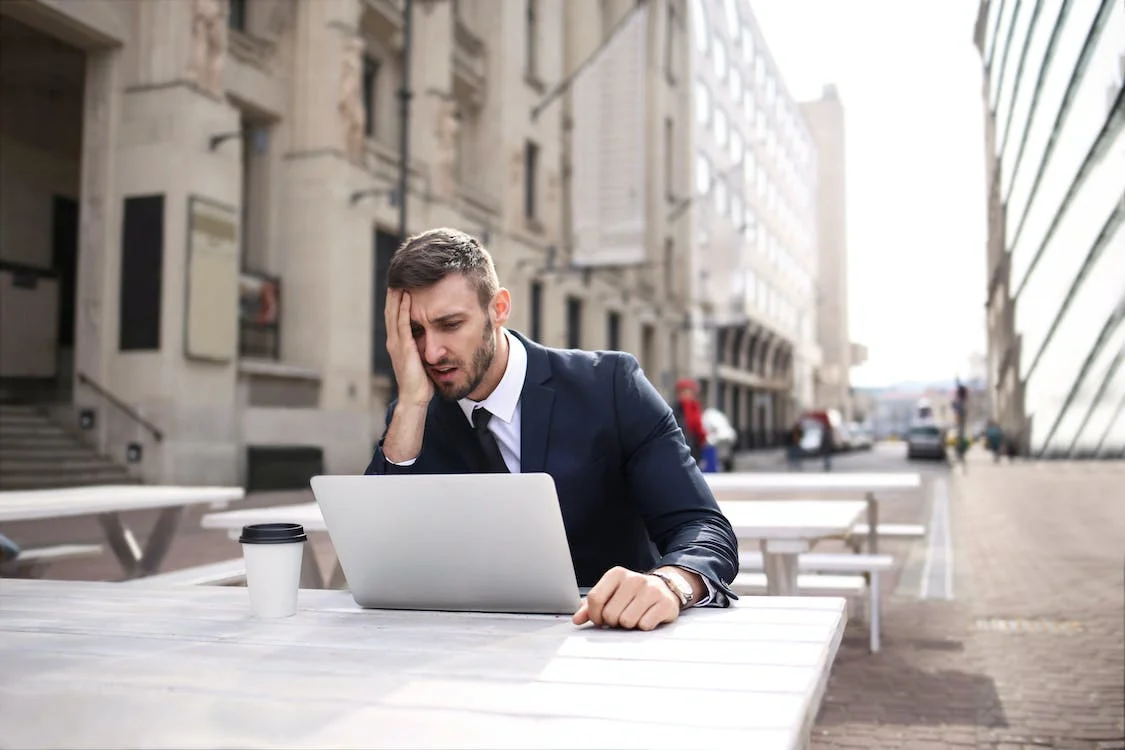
[{"x": 457, "y": 542}]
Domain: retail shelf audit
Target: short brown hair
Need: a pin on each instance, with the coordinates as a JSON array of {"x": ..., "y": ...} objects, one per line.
[{"x": 427, "y": 258}]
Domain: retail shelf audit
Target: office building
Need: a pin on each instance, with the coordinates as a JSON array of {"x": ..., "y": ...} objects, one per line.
[
  {"x": 825, "y": 118},
  {"x": 201, "y": 198},
  {"x": 754, "y": 234},
  {"x": 1055, "y": 149}
]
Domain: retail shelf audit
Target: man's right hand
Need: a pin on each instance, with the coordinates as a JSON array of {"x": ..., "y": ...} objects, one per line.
[
  {"x": 414, "y": 386},
  {"x": 403, "y": 441}
]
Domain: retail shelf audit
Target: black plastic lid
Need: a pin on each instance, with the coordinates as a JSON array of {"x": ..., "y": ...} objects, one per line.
[{"x": 273, "y": 533}]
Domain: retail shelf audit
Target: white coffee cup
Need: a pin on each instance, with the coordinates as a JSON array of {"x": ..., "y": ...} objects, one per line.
[{"x": 273, "y": 553}]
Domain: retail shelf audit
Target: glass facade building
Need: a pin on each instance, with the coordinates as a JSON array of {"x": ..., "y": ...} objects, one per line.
[{"x": 1055, "y": 132}]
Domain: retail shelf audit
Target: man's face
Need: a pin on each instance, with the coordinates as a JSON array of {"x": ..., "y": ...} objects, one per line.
[{"x": 456, "y": 338}]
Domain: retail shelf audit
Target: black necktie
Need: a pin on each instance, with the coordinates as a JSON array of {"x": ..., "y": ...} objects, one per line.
[{"x": 493, "y": 459}]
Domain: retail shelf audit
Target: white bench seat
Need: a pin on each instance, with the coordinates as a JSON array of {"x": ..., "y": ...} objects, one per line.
[
  {"x": 892, "y": 530},
  {"x": 817, "y": 562},
  {"x": 811, "y": 583},
  {"x": 825, "y": 574},
  {"x": 224, "y": 573},
  {"x": 33, "y": 560}
]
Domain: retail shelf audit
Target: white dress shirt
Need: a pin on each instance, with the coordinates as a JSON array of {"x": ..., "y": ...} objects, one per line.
[{"x": 504, "y": 403}]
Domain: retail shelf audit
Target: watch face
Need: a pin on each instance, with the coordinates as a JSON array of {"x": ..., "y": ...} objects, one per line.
[{"x": 683, "y": 588}]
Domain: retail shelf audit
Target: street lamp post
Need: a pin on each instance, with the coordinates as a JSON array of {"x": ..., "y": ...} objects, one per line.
[{"x": 404, "y": 96}]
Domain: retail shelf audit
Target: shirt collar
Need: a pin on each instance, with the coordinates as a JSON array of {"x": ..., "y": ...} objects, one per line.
[{"x": 504, "y": 399}]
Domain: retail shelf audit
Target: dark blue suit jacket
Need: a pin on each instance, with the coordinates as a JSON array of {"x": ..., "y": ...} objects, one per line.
[{"x": 629, "y": 490}]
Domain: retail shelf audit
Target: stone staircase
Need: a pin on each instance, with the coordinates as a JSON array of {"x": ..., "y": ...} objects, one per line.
[{"x": 37, "y": 453}]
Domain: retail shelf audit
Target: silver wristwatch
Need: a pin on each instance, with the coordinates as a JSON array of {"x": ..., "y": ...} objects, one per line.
[{"x": 679, "y": 586}]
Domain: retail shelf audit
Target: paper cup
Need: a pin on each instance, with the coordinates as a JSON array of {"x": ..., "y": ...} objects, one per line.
[{"x": 273, "y": 553}]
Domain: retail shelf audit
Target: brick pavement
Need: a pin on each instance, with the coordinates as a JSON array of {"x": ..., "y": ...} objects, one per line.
[{"x": 1030, "y": 651}]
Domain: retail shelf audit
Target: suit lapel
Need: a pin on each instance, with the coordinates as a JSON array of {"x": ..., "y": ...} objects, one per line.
[{"x": 537, "y": 401}]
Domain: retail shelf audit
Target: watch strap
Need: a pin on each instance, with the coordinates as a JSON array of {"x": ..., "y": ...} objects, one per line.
[{"x": 684, "y": 597}]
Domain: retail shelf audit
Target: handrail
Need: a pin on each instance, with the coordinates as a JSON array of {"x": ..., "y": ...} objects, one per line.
[{"x": 122, "y": 406}]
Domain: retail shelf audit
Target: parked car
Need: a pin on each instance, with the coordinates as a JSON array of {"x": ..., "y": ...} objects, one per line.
[
  {"x": 925, "y": 441},
  {"x": 825, "y": 419},
  {"x": 722, "y": 435},
  {"x": 860, "y": 438}
]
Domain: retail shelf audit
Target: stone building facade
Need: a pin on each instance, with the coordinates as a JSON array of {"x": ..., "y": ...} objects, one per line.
[{"x": 206, "y": 191}]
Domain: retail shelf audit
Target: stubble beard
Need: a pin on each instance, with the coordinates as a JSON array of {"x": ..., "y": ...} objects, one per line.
[{"x": 482, "y": 360}]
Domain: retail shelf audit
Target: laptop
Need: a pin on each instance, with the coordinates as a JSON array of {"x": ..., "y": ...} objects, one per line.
[{"x": 451, "y": 542}]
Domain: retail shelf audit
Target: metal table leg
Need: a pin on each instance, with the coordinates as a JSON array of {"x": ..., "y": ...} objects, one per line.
[{"x": 134, "y": 561}]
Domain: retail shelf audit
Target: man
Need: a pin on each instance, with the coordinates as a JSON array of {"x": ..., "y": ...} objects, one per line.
[{"x": 644, "y": 529}]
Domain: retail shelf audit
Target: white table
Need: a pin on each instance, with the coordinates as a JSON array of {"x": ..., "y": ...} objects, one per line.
[
  {"x": 786, "y": 528},
  {"x": 761, "y": 485},
  {"x": 97, "y": 664},
  {"x": 108, "y": 502}
]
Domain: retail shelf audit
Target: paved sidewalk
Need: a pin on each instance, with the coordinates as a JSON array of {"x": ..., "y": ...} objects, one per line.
[{"x": 1029, "y": 654}]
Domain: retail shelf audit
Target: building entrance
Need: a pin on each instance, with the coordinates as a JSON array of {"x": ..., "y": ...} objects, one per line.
[{"x": 42, "y": 82}]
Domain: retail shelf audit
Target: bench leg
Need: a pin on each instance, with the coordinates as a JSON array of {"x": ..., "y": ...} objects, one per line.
[
  {"x": 779, "y": 561},
  {"x": 873, "y": 612},
  {"x": 872, "y": 524}
]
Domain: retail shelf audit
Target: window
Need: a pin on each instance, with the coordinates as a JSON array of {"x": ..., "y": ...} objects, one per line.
[
  {"x": 530, "y": 180},
  {"x": 737, "y": 146},
  {"x": 370, "y": 93},
  {"x": 573, "y": 323},
  {"x": 236, "y": 15},
  {"x": 385, "y": 245},
  {"x": 719, "y": 58},
  {"x": 733, "y": 23},
  {"x": 142, "y": 273},
  {"x": 737, "y": 86},
  {"x": 702, "y": 174},
  {"x": 747, "y": 45},
  {"x": 722, "y": 196},
  {"x": 699, "y": 24},
  {"x": 532, "y": 39},
  {"x": 669, "y": 156},
  {"x": 613, "y": 331},
  {"x": 702, "y": 103},
  {"x": 535, "y": 324},
  {"x": 737, "y": 212}
]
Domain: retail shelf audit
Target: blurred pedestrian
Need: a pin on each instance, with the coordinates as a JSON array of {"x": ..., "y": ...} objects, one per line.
[
  {"x": 689, "y": 416},
  {"x": 994, "y": 439},
  {"x": 793, "y": 448},
  {"x": 827, "y": 445}
]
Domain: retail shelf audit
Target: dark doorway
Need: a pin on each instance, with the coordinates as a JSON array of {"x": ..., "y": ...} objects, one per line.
[
  {"x": 385, "y": 246},
  {"x": 64, "y": 263}
]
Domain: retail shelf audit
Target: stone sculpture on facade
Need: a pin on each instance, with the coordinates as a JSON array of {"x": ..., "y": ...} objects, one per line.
[
  {"x": 350, "y": 105},
  {"x": 208, "y": 44}
]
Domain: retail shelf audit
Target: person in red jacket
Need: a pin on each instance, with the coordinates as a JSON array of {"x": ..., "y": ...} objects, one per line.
[{"x": 689, "y": 416}]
